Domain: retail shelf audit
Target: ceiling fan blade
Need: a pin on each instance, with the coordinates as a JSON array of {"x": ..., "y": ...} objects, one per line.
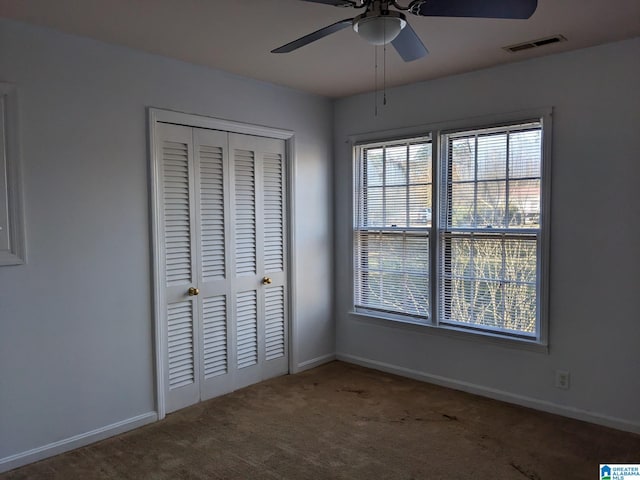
[
  {"x": 312, "y": 37},
  {"x": 514, "y": 9},
  {"x": 409, "y": 45},
  {"x": 335, "y": 3}
]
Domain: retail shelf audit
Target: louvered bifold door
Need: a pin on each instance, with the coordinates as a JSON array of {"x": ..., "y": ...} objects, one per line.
[
  {"x": 212, "y": 191},
  {"x": 177, "y": 261},
  {"x": 259, "y": 294},
  {"x": 274, "y": 259}
]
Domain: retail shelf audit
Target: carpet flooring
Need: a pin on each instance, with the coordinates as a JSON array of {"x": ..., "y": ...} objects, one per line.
[{"x": 340, "y": 421}]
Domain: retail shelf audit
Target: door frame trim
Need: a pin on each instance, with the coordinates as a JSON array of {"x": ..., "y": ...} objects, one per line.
[{"x": 155, "y": 116}]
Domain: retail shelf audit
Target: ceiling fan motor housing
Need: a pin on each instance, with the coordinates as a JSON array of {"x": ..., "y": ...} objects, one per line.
[{"x": 379, "y": 27}]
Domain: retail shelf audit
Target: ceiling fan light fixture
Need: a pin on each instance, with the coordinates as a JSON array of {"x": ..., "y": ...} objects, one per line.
[{"x": 379, "y": 29}]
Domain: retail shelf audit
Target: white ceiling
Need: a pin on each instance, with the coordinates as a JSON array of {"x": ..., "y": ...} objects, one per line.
[{"x": 237, "y": 36}]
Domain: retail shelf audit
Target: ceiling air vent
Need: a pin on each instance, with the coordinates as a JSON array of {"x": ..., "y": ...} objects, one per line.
[{"x": 535, "y": 43}]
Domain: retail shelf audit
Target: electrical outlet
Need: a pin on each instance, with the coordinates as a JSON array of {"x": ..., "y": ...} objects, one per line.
[{"x": 562, "y": 379}]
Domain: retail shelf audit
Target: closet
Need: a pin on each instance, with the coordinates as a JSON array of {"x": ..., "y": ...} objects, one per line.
[{"x": 221, "y": 259}]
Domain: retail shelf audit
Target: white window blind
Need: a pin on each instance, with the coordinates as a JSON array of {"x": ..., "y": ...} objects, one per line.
[
  {"x": 392, "y": 228},
  {"x": 490, "y": 233}
]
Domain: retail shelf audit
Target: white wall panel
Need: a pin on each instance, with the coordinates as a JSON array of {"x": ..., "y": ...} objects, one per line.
[
  {"x": 595, "y": 212},
  {"x": 76, "y": 329}
]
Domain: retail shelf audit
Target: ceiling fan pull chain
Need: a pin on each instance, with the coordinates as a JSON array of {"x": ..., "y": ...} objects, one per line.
[
  {"x": 375, "y": 81},
  {"x": 384, "y": 69}
]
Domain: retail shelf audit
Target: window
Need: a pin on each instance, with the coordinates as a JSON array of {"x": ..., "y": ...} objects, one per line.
[
  {"x": 12, "y": 251},
  {"x": 393, "y": 219},
  {"x": 464, "y": 252}
]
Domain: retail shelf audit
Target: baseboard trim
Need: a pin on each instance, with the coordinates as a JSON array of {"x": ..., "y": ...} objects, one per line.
[
  {"x": 71, "y": 443},
  {"x": 536, "y": 404},
  {"x": 315, "y": 362}
]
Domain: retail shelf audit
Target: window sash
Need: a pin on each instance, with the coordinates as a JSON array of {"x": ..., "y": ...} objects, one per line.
[
  {"x": 391, "y": 271},
  {"x": 489, "y": 281}
]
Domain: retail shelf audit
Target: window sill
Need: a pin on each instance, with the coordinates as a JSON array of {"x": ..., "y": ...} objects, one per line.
[{"x": 450, "y": 331}]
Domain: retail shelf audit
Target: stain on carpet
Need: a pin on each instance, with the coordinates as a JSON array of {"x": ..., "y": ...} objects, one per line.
[{"x": 526, "y": 473}]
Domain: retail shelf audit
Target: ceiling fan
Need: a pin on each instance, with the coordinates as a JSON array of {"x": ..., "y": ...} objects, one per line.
[{"x": 380, "y": 25}]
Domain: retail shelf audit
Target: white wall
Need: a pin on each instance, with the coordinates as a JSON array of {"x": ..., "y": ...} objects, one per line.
[
  {"x": 76, "y": 337},
  {"x": 595, "y": 252}
]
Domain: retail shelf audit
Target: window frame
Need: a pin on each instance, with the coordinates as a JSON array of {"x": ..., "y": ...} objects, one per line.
[
  {"x": 434, "y": 325},
  {"x": 428, "y": 230},
  {"x": 11, "y": 186}
]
